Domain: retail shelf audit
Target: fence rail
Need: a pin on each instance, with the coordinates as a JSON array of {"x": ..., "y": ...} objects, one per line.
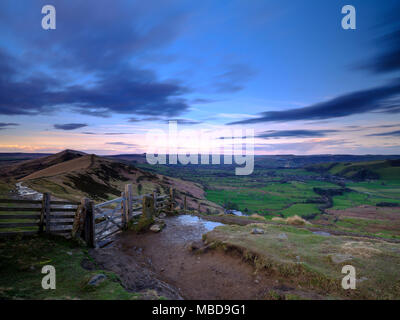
[
  {"x": 37, "y": 216},
  {"x": 92, "y": 222}
]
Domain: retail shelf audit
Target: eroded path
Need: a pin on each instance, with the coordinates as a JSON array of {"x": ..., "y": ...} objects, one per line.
[{"x": 209, "y": 275}]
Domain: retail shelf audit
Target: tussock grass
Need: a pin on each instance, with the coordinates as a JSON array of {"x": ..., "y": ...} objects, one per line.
[
  {"x": 295, "y": 220},
  {"x": 305, "y": 259}
]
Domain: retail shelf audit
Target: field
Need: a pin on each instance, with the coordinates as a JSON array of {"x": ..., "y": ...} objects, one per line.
[{"x": 314, "y": 192}]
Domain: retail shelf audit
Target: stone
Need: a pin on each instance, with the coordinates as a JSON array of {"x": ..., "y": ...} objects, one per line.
[
  {"x": 156, "y": 228},
  {"x": 257, "y": 231},
  {"x": 283, "y": 236},
  {"x": 162, "y": 215},
  {"x": 97, "y": 279},
  {"x": 340, "y": 258}
]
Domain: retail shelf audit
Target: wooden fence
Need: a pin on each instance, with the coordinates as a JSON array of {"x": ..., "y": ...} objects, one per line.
[
  {"x": 95, "y": 223},
  {"x": 28, "y": 217}
]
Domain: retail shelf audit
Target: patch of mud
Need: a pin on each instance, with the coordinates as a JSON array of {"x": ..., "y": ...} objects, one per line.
[
  {"x": 176, "y": 256},
  {"x": 135, "y": 276}
]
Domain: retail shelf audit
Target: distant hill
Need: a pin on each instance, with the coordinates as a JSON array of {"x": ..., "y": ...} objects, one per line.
[
  {"x": 72, "y": 175},
  {"x": 385, "y": 170},
  {"x": 24, "y": 168}
]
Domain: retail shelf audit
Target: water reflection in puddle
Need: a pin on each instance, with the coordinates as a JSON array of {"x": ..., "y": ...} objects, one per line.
[
  {"x": 322, "y": 233},
  {"x": 197, "y": 221}
]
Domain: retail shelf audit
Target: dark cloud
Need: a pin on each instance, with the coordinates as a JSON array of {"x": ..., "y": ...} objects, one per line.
[
  {"x": 202, "y": 101},
  {"x": 70, "y": 126},
  {"x": 385, "y": 134},
  {"x": 184, "y": 121},
  {"x": 4, "y": 125},
  {"x": 94, "y": 41},
  {"x": 294, "y": 133},
  {"x": 107, "y": 133},
  {"x": 388, "y": 59},
  {"x": 357, "y": 102},
  {"x": 233, "y": 79},
  {"x": 145, "y": 119},
  {"x": 118, "y": 143}
]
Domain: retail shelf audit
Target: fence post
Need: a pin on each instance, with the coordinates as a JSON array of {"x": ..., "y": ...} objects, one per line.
[
  {"x": 171, "y": 199},
  {"x": 45, "y": 213},
  {"x": 124, "y": 208},
  {"x": 80, "y": 217},
  {"x": 148, "y": 207},
  {"x": 128, "y": 203},
  {"x": 89, "y": 225},
  {"x": 42, "y": 214},
  {"x": 198, "y": 209}
]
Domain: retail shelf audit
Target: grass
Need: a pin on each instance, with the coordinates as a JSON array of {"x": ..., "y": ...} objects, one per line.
[
  {"x": 313, "y": 261},
  {"x": 22, "y": 260},
  {"x": 273, "y": 199}
]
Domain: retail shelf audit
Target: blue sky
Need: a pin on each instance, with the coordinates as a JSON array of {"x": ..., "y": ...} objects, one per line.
[{"x": 112, "y": 70}]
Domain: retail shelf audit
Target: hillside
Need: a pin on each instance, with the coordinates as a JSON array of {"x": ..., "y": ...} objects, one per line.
[
  {"x": 24, "y": 168},
  {"x": 73, "y": 175},
  {"x": 372, "y": 170}
]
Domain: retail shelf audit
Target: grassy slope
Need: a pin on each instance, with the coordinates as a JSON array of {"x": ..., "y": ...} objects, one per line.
[
  {"x": 311, "y": 260},
  {"x": 20, "y": 271}
]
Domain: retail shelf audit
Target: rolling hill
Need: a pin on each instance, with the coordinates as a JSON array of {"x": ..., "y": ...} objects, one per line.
[
  {"x": 72, "y": 175},
  {"x": 371, "y": 170}
]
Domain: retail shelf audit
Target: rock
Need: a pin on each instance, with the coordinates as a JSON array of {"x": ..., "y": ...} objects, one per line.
[
  {"x": 282, "y": 236},
  {"x": 162, "y": 215},
  {"x": 69, "y": 253},
  {"x": 362, "y": 279},
  {"x": 97, "y": 279},
  {"x": 195, "y": 245},
  {"x": 257, "y": 231},
  {"x": 340, "y": 258},
  {"x": 156, "y": 228}
]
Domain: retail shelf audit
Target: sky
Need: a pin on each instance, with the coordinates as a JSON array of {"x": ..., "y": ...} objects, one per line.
[{"x": 112, "y": 71}]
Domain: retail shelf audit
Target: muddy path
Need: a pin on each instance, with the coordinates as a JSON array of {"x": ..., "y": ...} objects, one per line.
[{"x": 169, "y": 257}]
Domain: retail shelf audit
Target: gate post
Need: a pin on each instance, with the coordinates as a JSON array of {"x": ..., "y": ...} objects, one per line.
[
  {"x": 89, "y": 225},
  {"x": 128, "y": 203},
  {"x": 45, "y": 213},
  {"x": 148, "y": 207},
  {"x": 171, "y": 200}
]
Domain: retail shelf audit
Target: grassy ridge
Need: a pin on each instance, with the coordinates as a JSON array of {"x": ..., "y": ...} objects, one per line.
[{"x": 314, "y": 261}]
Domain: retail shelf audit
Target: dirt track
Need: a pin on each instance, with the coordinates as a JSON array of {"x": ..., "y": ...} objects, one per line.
[{"x": 209, "y": 275}]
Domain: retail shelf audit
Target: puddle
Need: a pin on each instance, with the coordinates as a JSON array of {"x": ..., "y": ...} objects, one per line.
[
  {"x": 194, "y": 221},
  {"x": 322, "y": 233},
  {"x": 186, "y": 228},
  {"x": 236, "y": 213}
]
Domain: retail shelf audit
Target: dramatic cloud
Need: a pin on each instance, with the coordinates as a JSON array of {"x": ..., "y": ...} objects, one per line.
[
  {"x": 294, "y": 133},
  {"x": 363, "y": 101},
  {"x": 122, "y": 144},
  {"x": 70, "y": 126},
  {"x": 385, "y": 134},
  {"x": 88, "y": 62},
  {"x": 107, "y": 133},
  {"x": 184, "y": 121},
  {"x": 6, "y": 125},
  {"x": 233, "y": 79},
  {"x": 388, "y": 59}
]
